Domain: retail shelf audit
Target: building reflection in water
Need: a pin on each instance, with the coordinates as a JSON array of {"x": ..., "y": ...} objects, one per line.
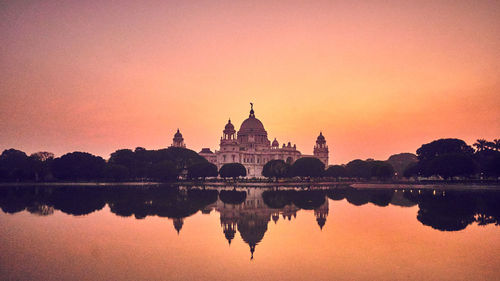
[{"x": 248, "y": 211}]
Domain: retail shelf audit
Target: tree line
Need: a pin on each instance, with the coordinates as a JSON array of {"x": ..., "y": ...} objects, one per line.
[
  {"x": 310, "y": 167},
  {"x": 445, "y": 158},
  {"x": 453, "y": 158},
  {"x": 160, "y": 165},
  {"x": 123, "y": 165}
]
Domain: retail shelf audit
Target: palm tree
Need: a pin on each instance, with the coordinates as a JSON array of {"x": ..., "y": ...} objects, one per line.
[
  {"x": 490, "y": 145},
  {"x": 480, "y": 144},
  {"x": 497, "y": 144}
]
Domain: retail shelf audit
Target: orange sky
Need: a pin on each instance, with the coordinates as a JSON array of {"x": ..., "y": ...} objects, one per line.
[{"x": 377, "y": 77}]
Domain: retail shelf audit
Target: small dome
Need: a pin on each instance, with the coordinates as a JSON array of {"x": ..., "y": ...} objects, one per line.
[
  {"x": 206, "y": 150},
  {"x": 320, "y": 139},
  {"x": 229, "y": 126},
  {"x": 178, "y": 134},
  {"x": 275, "y": 143}
]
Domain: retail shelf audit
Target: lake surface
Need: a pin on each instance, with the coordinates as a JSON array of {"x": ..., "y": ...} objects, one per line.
[{"x": 180, "y": 233}]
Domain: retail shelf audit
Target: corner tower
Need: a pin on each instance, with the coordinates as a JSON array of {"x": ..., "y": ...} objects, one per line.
[
  {"x": 178, "y": 140},
  {"x": 321, "y": 149},
  {"x": 228, "y": 152}
]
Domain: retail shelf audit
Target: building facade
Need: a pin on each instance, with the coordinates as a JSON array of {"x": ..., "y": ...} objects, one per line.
[{"x": 251, "y": 147}]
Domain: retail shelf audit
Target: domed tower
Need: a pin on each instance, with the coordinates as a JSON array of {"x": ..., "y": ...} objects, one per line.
[
  {"x": 178, "y": 140},
  {"x": 321, "y": 213},
  {"x": 229, "y": 132},
  {"x": 228, "y": 146},
  {"x": 321, "y": 149},
  {"x": 229, "y": 229}
]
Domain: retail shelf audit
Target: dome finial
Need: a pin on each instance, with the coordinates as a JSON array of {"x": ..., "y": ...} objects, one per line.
[{"x": 252, "y": 114}]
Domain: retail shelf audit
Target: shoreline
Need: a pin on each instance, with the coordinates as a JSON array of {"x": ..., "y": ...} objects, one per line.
[{"x": 297, "y": 184}]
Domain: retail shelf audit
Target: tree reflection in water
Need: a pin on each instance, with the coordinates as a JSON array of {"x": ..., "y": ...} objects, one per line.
[{"x": 249, "y": 210}]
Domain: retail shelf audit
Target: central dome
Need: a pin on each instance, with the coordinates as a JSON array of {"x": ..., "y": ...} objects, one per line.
[{"x": 252, "y": 125}]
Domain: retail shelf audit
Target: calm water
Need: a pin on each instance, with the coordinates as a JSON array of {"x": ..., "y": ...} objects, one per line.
[{"x": 166, "y": 233}]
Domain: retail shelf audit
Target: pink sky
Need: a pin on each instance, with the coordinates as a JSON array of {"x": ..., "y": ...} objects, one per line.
[{"x": 377, "y": 77}]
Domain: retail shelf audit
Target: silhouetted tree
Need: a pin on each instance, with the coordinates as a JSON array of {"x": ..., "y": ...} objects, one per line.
[
  {"x": 117, "y": 172},
  {"x": 381, "y": 170},
  {"x": 412, "y": 170},
  {"x": 401, "y": 161},
  {"x": 232, "y": 170},
  {"x": 164, "y": 171},
  {"x": 276, "y": 169},
  {"x": 78, "y": 166},
  {"x": 14, "y": 165},
  {"x": 140, "y": 161},
  {"x": 497, "y": 144},
  {"x": 307, "y": 167},
  {"x": 182, "y": 158},
  {"x": 359, "y": 169},
  {"x": 432, "y": 156},
  {"x": 489, "y": 162},
  {"x": 40, "y": 164},
  {"x": 443, "y": 146},
  {"x": 439, "y": 147},
  {"x": 481, "y": 144},
  {"x": 202, "y": 170},
  {"x": 336, "y": 171},
  {"x": 42, "y": 156},
  {"x": 452, "y": 165},
  {"x": 126, "y": 158}
]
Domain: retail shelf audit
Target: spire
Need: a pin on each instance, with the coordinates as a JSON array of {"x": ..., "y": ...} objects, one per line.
[
  {"x": 252, "y": 113},
  {"x": 252, "y": 249},
  {"x": 178, "y": 222}
]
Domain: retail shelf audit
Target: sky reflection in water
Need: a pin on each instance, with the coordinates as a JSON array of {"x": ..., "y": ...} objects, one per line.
[{"x": 130, "y": 233}]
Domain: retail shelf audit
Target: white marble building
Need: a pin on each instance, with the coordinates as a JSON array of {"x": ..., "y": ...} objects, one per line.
[{"x": 251, "y": 147}]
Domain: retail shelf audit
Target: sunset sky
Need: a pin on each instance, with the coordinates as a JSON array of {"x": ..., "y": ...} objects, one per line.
[{"x": 376, "y": 77}]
